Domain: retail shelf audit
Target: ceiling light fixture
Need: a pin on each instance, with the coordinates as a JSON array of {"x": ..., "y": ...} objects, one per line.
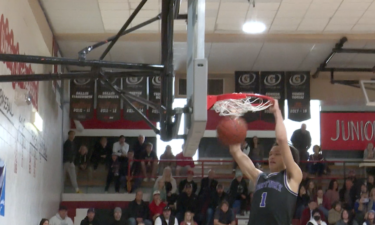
[{"x": 253, "y": 27}]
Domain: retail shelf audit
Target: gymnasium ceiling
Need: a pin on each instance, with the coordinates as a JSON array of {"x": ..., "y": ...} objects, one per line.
[{"x": 300, "y": 33}]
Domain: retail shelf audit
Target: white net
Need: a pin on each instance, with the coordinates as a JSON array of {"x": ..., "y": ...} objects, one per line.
[{"x": 238, "y": 107}]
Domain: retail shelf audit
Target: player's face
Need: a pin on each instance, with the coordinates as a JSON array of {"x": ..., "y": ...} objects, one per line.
[{"x": 275, "y": 160}]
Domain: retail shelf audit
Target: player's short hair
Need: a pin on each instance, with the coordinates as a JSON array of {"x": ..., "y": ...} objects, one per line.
[
  {"x": 70, "y": 132},
  {"x": 294, "y": 151}
]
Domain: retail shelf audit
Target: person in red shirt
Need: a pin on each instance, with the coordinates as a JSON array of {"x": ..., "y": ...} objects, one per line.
[
  {"x": 156, "y": 206},
  {"x": 183, "y": 162}
]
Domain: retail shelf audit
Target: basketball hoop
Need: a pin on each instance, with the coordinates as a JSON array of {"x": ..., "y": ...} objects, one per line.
[{"x": 237, "y": 104}]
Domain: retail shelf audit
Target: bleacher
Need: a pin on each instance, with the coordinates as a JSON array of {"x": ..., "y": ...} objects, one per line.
[{"x": 94, "y": 181}]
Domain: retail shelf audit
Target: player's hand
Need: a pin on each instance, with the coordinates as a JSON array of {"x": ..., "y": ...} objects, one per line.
[{"x": 275, "y": 107}]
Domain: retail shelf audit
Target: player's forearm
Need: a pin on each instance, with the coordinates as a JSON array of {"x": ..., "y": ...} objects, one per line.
[{"x": 280, "y": 129}]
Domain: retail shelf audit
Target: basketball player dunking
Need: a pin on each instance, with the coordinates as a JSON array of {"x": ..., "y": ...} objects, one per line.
[{"x": 275, "y": 193}]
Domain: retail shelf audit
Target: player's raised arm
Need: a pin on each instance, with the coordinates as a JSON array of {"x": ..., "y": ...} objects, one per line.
[
  {"x": 246, "y": 165},
  {"x": 293, "y": 170}
]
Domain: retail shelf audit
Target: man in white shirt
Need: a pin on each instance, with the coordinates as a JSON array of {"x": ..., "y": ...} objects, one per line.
[
  {"x": 61, "y": 218},
  {"x": 166, "y": 218},
  {"x": 121, "y": 148}
]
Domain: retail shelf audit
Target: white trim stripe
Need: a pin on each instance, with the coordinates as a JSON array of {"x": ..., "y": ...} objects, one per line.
[
  {"x": 287, "y": 184},
  {"x": 250, "y": 133}
]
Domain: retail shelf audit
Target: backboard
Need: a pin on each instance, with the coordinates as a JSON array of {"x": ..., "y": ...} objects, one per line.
[
  {"x": 368, "y": 88},
  {"x": 196, "y": 77}
]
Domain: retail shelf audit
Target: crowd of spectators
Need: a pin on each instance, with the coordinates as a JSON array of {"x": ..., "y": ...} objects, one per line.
[{"x": 174, "y": 199}]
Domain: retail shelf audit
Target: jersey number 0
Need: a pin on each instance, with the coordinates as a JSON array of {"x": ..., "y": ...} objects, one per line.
[{"x": 263, "y": 200}]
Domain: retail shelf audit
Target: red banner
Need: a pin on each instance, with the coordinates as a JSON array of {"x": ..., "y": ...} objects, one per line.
[{"x": 347, "y": 131}]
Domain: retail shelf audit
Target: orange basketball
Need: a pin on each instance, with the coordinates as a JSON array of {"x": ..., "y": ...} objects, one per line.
[{"x": 231, "y": 130}]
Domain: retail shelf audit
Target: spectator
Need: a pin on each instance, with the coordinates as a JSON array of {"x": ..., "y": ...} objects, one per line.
[
  {"x": 368, "y": 153},
  {"x": 323, "y": 204},
  {"x": 370, "y": 182},
  {"x": 101, "y": 153},
  {"x": 81, "y": 158},
  {"x": 311, "y": 190},
  {"x": 334, "y": 215},
  {"x": 301, "y": 140},
  {"x": 61, "y": 217},
  {"x": 90, "y": 218},
  {"x": 357, "y": 183},
  {"x": 316, "y": 166},
  {"x": 317, "y": 218},
  {"x": 347, "y": 195},
  {"x": 139, "y": 147},
  {"x": 188, "y": 219},
  {"x": 302, "y": 202},
  {"x": 166, "y": 218},
  {"x": 170, "y": 159},
  {"x": 346, "y": 219},
  {"x": 138, "y": 211},
  {"x": 133, "y": 180},
  {"x": 208, "y": 184},
  {"x": 216, "y": 198},
  {"x": 44, "y": 222},
  {"x": 121, "y": 148},
  {"x": 188, "y": 180},
  {"x": 370, "y": 218},
  {"x": 149, "y": 162},
  {"x": 156, "y": 206},
  {"x": 168, "y": 180},
  {"x": 117, "y": 214},
  {"x": 256, "y": 152},
  {"x": 238, "y": 193},
  {"x": 305, "y": 179},
  {"x": 361, "y": 207},
  {"x": 332, "y": 193},
  {"x": 223, "y": 215},
  {"x": 161, "y": 189},
  {"x": 371, "y": 204},
  {"x": 114, "y": 173},
  {"x": 307, "y": 213},
  {"x": 187, "y": 201},
  {"x": 183, "y": 162},
  {"x": 245, "y": 149},
  {"x": 69, "y": 153}
]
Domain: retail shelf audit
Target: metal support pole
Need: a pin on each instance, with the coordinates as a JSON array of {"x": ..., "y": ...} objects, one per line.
[
  {"x": 125, "y": 98},
  {"x": 123, "y": 28},
  {"x": 166, "y": 123},
  {"x": 82, "y": 54},
  {"x": 76, "y": 62},
  {"x": 68, "y": 76}
]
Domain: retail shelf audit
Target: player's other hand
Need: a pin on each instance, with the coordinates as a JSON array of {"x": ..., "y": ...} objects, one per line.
[{"x": 275, "y": 107}]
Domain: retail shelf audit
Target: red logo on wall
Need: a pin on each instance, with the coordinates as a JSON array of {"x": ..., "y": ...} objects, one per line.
[
  {"x": 9, "y": 46},
  {"x": 347, "y": 131}
]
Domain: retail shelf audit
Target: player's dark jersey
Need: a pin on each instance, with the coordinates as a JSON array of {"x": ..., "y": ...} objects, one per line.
[{"x": 273, "y": 202}]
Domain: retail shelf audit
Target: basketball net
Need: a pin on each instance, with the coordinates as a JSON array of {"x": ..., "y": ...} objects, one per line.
[{"x": 238, "y": 107}]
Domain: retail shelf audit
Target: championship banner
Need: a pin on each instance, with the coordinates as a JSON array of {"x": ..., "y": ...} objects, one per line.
[
  {"x": 108, "y": 102},
  {"x": 247, "y": 82},
  {"x": 273, "y": 85},
  {"x": 82, "y": 99},
  {"x": 154, "y": 84},
  {"x": 346, "y": 130},
  {"x": 298, "y": 95},
  {"x": 136, "y": 86}
]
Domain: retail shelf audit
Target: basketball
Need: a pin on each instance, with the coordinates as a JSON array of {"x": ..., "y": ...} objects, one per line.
[{"x": 231, "y": 130}]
